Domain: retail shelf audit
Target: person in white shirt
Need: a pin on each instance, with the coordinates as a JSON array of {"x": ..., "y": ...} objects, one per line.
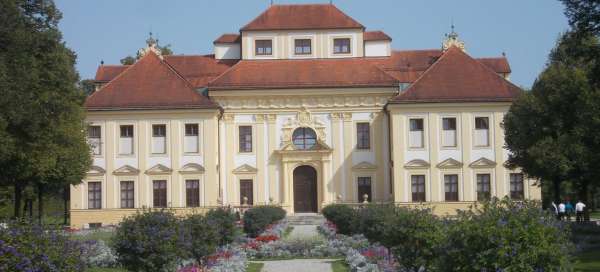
[
  {"x": 561, "y": 211},
  {"x": 579, "y": 208}
]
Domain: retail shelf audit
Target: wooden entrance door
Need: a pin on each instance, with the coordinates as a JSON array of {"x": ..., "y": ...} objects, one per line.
[{"x": 305, "y": 189}]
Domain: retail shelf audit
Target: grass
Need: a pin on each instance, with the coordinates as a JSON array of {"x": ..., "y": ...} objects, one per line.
[
  {"x": 254, "y": 267},
  {"x": 340, "y": 266},
  {"x": 595, "y": 215},
  {"x": 588, "y": 261},
  {"x": 98, "y": 269},
  {"x": 287, "y": 231}
]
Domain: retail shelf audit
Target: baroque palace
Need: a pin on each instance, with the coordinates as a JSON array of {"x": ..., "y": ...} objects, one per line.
[{"x": 301, "y": 108}]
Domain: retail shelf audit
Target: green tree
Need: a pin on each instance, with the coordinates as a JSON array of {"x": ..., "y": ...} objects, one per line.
[
  {"x": 584, "y": 15},
  {"x": 42, "y": 140}
]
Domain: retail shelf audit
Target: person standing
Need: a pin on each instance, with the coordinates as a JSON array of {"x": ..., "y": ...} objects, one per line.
[
  {"x": 561, "y": 211},
  {"x": 569, "y": 210},
  {"x": 579, "y": 208}
]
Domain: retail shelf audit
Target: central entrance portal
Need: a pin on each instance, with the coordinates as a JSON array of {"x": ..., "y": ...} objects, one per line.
[{"x": 305, "y": 189}]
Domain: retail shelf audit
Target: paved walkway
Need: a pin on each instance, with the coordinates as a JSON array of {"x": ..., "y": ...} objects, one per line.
[
  {"x": 298, "y": 265},
  {"x": 304, "y": 231}
]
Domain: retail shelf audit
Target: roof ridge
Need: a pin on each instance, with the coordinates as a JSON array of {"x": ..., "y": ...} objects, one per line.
[
  {"x": 172, "y": 69},
  {"x": 223, "y": 74},
  {"x": 111, "y": 81},
  {"x": 425, "y": 72}
]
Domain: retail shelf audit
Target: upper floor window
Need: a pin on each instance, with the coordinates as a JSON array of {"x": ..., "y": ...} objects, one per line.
[
  {"x": 363, "y": 136},
  {"x": 416, "y": 133},
  {"x": 159, "y": 139},
  {"x": 304, "y": 138},
  {"x": 302, "y": 47},
  {"x": 364, "y": 189},
  {"x": 516, "y": 186},
  {"x": 341, "y": 46},
  {"x": 126, "y": 140},
  {"x": 418, "y": 188},
  {"x": 191, "y": 138},
  {"x": 94, "y": 195},
  {"x": 483, "y": 187},
  {"x": 482, "y": 131},
  {"x": 263, "y": 47},
  {"x": 451, "y": 187},
  {"x": 449, "y": 132},
  {"x": 95, "y": 139},
  {"x": 245, "y": 139}
]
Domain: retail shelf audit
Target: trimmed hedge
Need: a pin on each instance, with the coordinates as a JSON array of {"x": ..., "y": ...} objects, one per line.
[
  {"x": 343, "y": 216},
  {"x": 225, "y": 221},
  {"x": 257, "y": 219}
]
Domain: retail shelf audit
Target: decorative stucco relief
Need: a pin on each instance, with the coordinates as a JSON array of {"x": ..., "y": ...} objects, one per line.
[{"x": 301, "y": 102}]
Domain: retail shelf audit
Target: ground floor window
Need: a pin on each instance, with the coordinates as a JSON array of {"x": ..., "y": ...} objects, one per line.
[
  {"x": 94, "y": 195},
  {"x": 160, "y": 193},
  {"x": 192, "y": 193},
  {"x": 127, "y": 195},
  {"x": 364, "y": 188},
  {"x": 418, "y": 188},
  {"x": 516, "y": 186},
  {"x": 483, "y": 187},
  {"x": 246, "y": 190},
  {"x": 451, "y": 187}
]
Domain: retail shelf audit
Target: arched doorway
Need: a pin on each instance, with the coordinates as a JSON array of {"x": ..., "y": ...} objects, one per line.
[{"x": 305, "y": 189}]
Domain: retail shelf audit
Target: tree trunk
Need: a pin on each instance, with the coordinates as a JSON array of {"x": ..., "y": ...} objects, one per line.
[
  {"x": 583, "y": 192},
  {"x": 556, "y": 184},
  {"x": 28, "y": 208},
  {"x": 18, "y": 194},
  {"x": 40, "y": 203},
  {"x": 66, "y": 204}
]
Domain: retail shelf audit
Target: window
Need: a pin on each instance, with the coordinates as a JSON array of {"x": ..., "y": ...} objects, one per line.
[
  {"x": 94, "y": 195},
  {"x": 263, "y": 47},
  {"x": 160, "y": 193},
  {"x": 364, "y": 188},
  {"x": 482, "y": 127},
  {"x": 94, "y": 139},
  {"x": 245, "y": 138},
  {"x": 516, "y": 186},
  {"x": 126, "y": 140},
  {"x": 341, "y": 46},
  {"x": 451, "y": 187},
  {"x": 127, "y": 195},
  {"x": 159, "y": 139},
  {"x": 416, "y": 133},
  {"x": 302, "y": 47},
  {"x": 483, "y": 187},
  {"x": 246, "y": 190},
  {"x": 363, "y": 136},
  {"x": 191, "y": 138},
  {"x": 304, "y": 138},
  {"x": 418, "y": 188},
  {"x": 449, "y": 132},
  {"x": 192, "y": 193}
]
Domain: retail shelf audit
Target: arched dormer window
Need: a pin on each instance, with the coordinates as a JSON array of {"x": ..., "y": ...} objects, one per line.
[{"x": 304, "y": 138}]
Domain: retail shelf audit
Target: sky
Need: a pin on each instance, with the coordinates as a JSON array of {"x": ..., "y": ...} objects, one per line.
[{"x": 109, "y": 30}]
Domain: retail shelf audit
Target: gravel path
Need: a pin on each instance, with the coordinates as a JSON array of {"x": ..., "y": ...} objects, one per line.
[
  {"x": 304, "y": 231},
  {"x": 298, "y": 265}
]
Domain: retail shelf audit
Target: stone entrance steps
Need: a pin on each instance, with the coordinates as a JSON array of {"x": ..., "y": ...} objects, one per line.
[{"x": 305, "y": 219}]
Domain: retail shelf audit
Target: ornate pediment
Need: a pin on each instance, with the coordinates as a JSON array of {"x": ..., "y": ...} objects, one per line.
[
  {"x": 449, "y": 163},
  {"x": 96, "y": 171},
  {"x": 159, "y": 169},
  {"x": 245, "y": 169},
  {"x": 416, "y": 164},
  {"x": 303, "y": 119},
  {"x": 364, "y": 166},
  {"x": 483, "y": 163},
  {"x": 192, "y": 168},
  {"x": 126, "y": 170}
]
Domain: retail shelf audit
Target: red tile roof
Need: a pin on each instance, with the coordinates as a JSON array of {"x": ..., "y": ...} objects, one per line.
[
  {"x": 107, "y": 72},
  {"x": 500, "y": 65},
  {"x": 311, "y": 16},
  {"x": 376, "y": 36},
  {"x": 456, "y": 77},
  {"x": 228, "y": 38},
  {"x": 149, "y": 83},
  {"x": 310, "y": 73},
  {"x": 199, "y": 70}
]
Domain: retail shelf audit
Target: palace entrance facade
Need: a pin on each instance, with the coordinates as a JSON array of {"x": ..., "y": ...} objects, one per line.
[{"x": 305, "y": 189}]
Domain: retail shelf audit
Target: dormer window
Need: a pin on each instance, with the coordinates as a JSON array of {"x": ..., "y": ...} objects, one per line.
[
  {"x": 341, "y": 46},
  {"x": 302, "y": 47},
  {"x": 264, "y": 47}
]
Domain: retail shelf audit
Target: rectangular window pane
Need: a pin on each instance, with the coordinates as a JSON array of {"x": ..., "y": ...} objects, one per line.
[
  {"x": 127, "y": 131},
  {"x": 341, "y": 46},
  {"x": 94, "y": 139},
  {"x": 263, "y": 47},
  {"x": 127, "y": 194},
  {"x": 449, "y": 123},
  {"x": 192, "y": 193},
  {"x": 159, "y": 139},
  {"x": 418, "y": 188},
  {"x": 246, "y": 191},
  {"x": 449, "y": 132},
  {"x": 191, "y": 143},
  {"x": 159, "y": 130},
  {"x": 302, "y": 46},
  {"x": 94, "y": 195},
  {"x": 416, "y": 134},
  {"x": 481, "y": 131},
  {"x": 126, "y": 140},
  {"x": 191, "y": 129},
  {"x": 451, "y": 187},
  {"x": 483, "y": 187},
  {"x": 245, "y": 138},
  {"x": 363, "y": 136},
  {"x": 364, "y": 188},
  {"x": 481, "y": 123},
  {"x": 160, "y": 193},
  {"x": 516, "y": 186}
]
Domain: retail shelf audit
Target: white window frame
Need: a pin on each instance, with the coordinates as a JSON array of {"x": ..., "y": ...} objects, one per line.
[
  {"x": 443, "y": 133},
  {"x": 133, "y": 141},
  {"x": 187, "y": 138},
  {"x": 423, "y": 133},
  {"x": 476, "y": 131},
  {"x": 156, "y": 140}
]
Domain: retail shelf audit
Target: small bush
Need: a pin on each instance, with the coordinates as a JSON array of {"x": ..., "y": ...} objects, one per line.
[
  {"x": 370, "y": 220},
  {"x": 150, "y": 241},
  {"x": 26, "y": 246},
  {"x": 258, "y": 218},
  {"x": 203, "y": 236},
  {"x": 343, "y": 216},
  {"x": 225, "y": 221}
]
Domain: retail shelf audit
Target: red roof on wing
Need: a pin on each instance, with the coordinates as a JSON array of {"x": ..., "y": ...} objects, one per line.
[
  {"x": 199, "y": 70},
  {"x": 149, "y": 83},
  {"x": 228, "y": 38},
  {"x": 311, "y": 16},
  {"x": 377, "y": 35},
  {"x": 456, "y": 77},
  {"x": 107, "y": 72}
]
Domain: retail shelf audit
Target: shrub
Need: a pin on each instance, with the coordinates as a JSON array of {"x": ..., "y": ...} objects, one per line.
[
  {"x": 506, "y": 236},
  {"x": 225, "y": 221},
  {"x": 342, "y": 216},
  {"x": 258, "y": 218},
  {"x": 203, "y": 236},
  {"x": 150, "y": 241},
  {"x": 98, "y": 254},
  {"x": 370, "y": 220},
  {"x": 26, "y": 246}
]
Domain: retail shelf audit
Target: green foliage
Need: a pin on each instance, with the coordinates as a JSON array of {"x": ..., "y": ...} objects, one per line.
[
  {"x": 225, "y": 221},
  {"x": 257, "y": 219},
  {"x": 203, "y": 236},
  {"x": 507, "y": 236},
  {"x": 129, "y": 60},
  {"x": 150, "y": 241},
  {"x": 584, "y": 15},
  {"x": 342, "y": 216},
  {"x": 370, "y": 220},
  {"x": 26, "y": 246}
]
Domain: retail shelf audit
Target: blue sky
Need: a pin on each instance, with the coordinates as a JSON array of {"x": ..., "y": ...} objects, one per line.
[{"x": 111, "y": 29}]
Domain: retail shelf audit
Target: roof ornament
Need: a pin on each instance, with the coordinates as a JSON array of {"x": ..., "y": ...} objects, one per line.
[
  {"x": 151, "y": 45},
  {"x": 453, "y": 40}
]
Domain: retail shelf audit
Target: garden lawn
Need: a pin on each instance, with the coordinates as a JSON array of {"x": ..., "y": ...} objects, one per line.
[
  {"x": 254, "y": 267},
  {"x": 339, "y": 266},
  {"x": 588, "y": 261}
]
